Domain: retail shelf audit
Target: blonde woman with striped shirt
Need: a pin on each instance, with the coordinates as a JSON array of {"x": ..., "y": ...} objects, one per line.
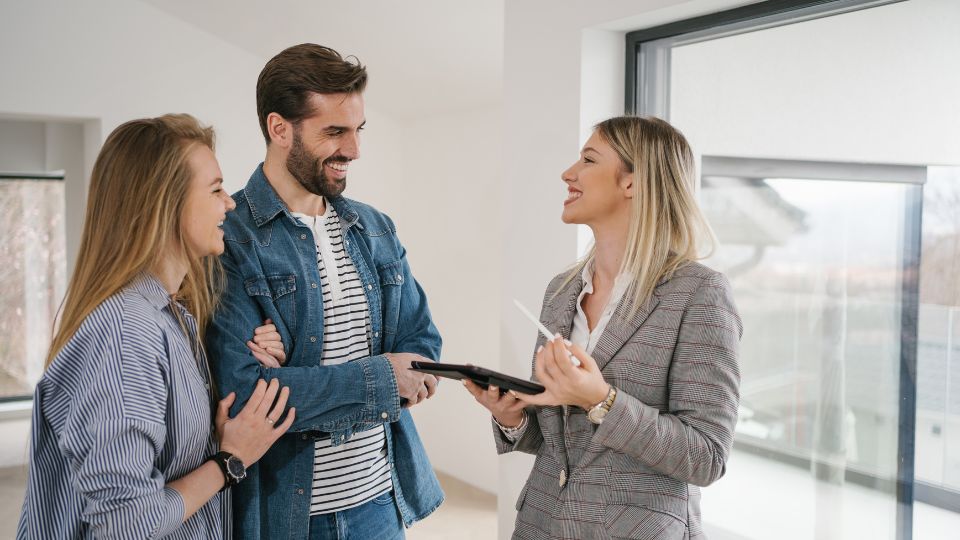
[{"x": 127, "y": 439}]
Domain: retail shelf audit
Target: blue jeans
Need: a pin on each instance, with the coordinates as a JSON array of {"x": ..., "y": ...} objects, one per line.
[{"x": 378, "y": 519}]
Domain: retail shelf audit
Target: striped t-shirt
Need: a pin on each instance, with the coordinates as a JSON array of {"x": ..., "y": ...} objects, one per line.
[{"x": 356, "y": 471}]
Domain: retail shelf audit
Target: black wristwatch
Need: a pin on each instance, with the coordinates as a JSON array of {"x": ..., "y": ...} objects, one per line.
[{"x": 233, "y": 468}]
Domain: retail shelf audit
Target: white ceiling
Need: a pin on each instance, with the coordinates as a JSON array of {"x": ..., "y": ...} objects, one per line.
[{"x": 424, "y": 56}]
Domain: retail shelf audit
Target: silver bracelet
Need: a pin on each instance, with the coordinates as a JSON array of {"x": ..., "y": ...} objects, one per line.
[{"x": 512, "y": 431}]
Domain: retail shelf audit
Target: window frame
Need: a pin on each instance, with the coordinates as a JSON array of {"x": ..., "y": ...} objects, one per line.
[{"x": 647, "y": 91}]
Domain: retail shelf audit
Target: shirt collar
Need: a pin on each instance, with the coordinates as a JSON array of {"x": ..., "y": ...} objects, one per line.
[
  {"x": 265, "y": 204},
  {"x": 150, "y": 288},
  {"x": 619, "y": 285}
]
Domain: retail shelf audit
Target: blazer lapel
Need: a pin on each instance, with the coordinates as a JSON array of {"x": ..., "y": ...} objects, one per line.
[
  {"x": 620, "y": 328},
  {"x": 557, "y": 316}
]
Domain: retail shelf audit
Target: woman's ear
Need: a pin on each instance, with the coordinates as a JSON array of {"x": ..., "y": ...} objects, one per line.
[{"x": 626, "y": 185}]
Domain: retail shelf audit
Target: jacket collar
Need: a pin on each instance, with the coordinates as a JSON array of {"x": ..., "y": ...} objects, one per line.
[
  {"x": 618, "y": 331},
  {"x": 265, "y": 204}
]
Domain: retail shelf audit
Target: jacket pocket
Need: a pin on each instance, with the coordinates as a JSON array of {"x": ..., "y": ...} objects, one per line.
[
  {"x": 277, "y": 290},
  {"x": 641, "y": 523},
  {"x": 391, "y": 283},
  {"x": 636, "y": 485}
]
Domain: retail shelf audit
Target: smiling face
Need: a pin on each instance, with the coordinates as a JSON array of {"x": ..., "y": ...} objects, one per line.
[
  {"x": 206, "y": 206},
  {"x": 325, "y": 143},
  {"x": 598, "y": 186}
]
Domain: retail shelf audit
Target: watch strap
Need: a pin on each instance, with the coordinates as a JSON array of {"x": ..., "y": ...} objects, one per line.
[{"x": 220, "y": 458}]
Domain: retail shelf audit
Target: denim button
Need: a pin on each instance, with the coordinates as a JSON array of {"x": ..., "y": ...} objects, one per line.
[
  {"x": 399, "y": 277},
  {"x": 314, "y": 285},
  {"x": 384, "y": 415},
  {"x": 376, "y": 334},
  {"x": 300, "y": 491},
  {"x": 303, "y": 436},
  {"x": 313, "y": 339},
  {"x": 369, "y": 287},
  {"x": 303, "y": 237}
]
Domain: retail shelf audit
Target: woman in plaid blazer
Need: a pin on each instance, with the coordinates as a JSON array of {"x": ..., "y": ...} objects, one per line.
[{"x": 624, "y": 439}]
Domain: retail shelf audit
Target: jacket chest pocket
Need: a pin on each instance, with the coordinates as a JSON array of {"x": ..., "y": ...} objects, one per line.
[
  {"x": 276, "y": 292},
  {"x": 391, "y": 283}
]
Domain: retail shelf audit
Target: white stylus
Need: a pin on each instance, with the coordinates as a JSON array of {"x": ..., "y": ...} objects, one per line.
[{"x": 543, "y": 329}]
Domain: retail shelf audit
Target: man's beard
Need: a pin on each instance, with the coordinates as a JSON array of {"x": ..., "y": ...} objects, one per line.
[{"x": 308, "y": 170}]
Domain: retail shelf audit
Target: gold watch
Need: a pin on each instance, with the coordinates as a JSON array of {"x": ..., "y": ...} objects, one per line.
[{"x": 598, "y": 411}]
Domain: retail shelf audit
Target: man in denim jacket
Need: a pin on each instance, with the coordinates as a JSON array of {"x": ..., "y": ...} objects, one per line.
[{"x": 300, "y": 254}]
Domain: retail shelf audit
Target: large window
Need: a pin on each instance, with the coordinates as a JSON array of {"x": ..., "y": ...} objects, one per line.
[
  {"x": 830, "y": 171},
  {"x": 33, "y": 271}
]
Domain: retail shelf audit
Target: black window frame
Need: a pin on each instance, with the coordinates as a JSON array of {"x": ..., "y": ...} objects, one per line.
[{"x": 907, "y": 488}]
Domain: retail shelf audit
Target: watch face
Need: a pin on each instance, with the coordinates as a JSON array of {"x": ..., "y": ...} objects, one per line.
[
  {"x": 235, "y": 468},
  {"x": 596, "y": 414}
]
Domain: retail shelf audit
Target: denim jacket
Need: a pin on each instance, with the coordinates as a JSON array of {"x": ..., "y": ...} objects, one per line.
[{"x": 271, "y": 269}]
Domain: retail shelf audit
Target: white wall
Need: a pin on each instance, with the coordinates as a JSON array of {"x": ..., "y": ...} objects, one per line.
[
  {"x": 21, "y": 146},
  {"x": 111, "y": 61},
  {"x": 448, "y": 215},
  {"x": 863, "y": 86}
]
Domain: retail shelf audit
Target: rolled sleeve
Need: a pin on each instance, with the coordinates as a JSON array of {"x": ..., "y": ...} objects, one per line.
[
  {"x": 528, "y": 441},
  {"x": 124, "y": 495},
  {"x": 383, "y": 400}
]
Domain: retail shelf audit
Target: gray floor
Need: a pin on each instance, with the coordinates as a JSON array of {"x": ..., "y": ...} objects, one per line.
[
  {"x": 467, "y": 514},
  {"x": 13, "y": 482}
]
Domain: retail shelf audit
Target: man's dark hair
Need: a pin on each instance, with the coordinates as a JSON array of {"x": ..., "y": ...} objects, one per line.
[{"x": 287, "y": 80}]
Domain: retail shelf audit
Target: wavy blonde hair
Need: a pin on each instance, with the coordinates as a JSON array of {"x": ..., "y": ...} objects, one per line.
[
  {"x": 667, "y": 229},
  {"x": 138, "y": 190}
]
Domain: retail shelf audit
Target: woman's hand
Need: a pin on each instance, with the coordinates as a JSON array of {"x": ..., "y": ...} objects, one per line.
[
  {"x": 565, "y": 383},
  {"x": 252, "y": 432},
  {"x": 267, "y": 346},
  {"x": 506, "y": 409}
]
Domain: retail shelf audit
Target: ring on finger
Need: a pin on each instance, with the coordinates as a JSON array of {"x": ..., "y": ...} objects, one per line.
[{"x": 271, "y": 421}]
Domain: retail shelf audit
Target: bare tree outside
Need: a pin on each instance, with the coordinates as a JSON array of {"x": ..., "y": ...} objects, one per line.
[{"x": 33, "y": 274}]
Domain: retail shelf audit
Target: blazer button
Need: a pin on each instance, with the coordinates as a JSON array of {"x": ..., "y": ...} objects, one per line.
[{"x": 563, "y": 477}]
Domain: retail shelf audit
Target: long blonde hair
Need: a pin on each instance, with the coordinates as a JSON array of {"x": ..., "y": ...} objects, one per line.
[
  {"x": 667, "y": 229},
  {"x": 138, "y": 190}
]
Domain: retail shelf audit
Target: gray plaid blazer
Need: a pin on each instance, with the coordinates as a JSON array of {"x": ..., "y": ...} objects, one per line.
[{"x": 674, "y": 365}]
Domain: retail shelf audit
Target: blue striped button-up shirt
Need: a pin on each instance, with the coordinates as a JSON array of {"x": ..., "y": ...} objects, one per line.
[{"x": 122, "y": 410}]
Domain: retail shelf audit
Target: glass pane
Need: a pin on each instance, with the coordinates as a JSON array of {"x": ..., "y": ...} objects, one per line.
[
  {"x": 33, "y": 274},
  {"x": 817, "y": 268},
  {"x": 938, "y": 355}
]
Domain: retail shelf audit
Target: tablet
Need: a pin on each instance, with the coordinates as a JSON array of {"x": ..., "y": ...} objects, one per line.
[{"x": 482, "y": 376}]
